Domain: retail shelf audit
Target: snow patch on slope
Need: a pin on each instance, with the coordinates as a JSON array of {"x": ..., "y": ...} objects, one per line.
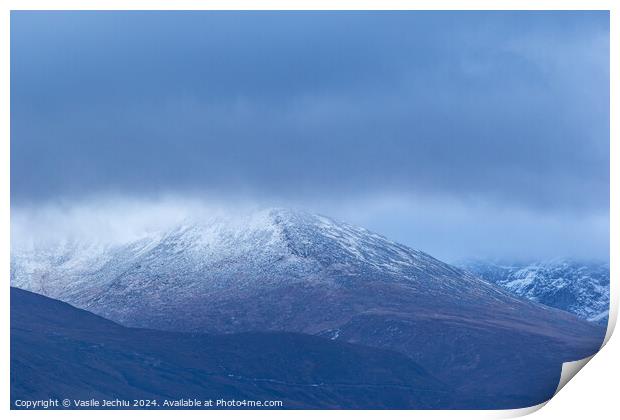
[{"x": 581, "y": 288}]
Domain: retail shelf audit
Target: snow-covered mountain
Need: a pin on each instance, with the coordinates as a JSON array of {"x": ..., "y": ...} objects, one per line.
[
  {"x": 581, "y": 288},
  {"x": 283, "y": 270},
  {"x": 219, "y": 257}
]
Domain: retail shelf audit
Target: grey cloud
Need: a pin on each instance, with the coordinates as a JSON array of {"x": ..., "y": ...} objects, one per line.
[{"x": 502, "y": 109}]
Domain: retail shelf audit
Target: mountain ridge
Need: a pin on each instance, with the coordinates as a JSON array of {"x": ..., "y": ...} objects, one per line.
[{"x": 577, "y": 286}]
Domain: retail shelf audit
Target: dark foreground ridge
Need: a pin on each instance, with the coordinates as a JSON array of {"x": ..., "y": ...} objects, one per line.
[
  {"x": 58, "y": 351},
  {"x": 61, "y": 352}
]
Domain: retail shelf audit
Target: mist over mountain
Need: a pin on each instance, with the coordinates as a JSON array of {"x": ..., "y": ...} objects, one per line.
[{"x": 287, "y": 270}]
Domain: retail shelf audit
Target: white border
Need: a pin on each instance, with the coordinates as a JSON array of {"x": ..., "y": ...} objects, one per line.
[{"x": 599, "y": 385}]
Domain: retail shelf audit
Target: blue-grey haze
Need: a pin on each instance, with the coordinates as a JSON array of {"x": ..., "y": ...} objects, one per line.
[{"x": 460, "y": 133}]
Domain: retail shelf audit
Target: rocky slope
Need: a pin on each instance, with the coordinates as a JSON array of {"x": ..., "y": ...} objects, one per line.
[{"x": 579, "y": 287}]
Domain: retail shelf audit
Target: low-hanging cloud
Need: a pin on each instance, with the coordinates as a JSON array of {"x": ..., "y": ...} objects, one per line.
[{"x": 446, "y": 228}]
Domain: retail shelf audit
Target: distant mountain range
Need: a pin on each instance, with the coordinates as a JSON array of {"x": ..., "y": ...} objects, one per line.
[
  {"x": 280, "y": 270},
  {"x": 579, "y": 287}
]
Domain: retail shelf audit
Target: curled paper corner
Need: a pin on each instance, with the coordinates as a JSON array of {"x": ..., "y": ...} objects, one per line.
[
  {"x": 612, "y": 316},
  {"x": 612, "y": 319},
  {"x": 569, "y": 370},
  {"x": 519, "y": 412}
]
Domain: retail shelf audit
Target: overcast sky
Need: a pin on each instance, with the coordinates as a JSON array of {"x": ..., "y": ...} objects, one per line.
[{"x": 461, "y": 134}]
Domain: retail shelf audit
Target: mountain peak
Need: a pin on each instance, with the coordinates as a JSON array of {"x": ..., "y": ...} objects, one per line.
[{"x": 228, "y": 253}]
